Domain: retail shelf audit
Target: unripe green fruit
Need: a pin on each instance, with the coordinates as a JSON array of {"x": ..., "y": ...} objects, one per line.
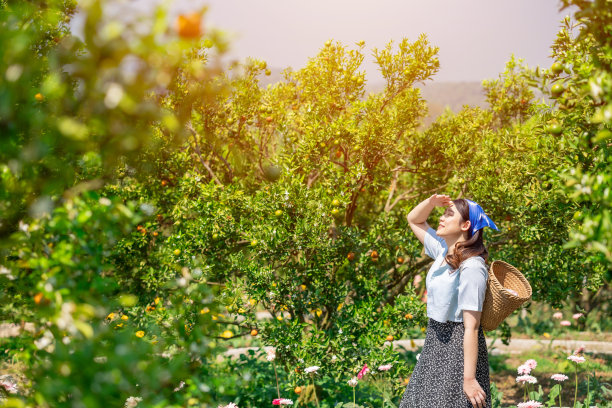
[
  {"x": 557, "y": 90},
  {"x": 557, "y": 68}
]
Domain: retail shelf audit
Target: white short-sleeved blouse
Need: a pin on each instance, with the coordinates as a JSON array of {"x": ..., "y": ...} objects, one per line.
[{"x": 449, "y": 291}]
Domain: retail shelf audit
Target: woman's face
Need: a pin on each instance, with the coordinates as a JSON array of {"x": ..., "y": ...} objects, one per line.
[{"x": 451, "y": 222}]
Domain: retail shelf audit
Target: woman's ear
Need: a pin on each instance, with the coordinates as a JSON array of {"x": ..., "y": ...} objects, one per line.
[{"x": 466, "y": 225}]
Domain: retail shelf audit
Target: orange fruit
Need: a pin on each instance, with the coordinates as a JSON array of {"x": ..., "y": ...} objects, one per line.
[
  {"x": 38, "y": 298},
  {"x": 188, "y": 25},
  {"x": 254, "y": 332},
  {"x": 297, "y": 389},
  {"x": 400, "y": 259},
  {"x": 39, "y": 97},
  {"x": 351, "y": 256},
  {"x": 389, "y": 338}
]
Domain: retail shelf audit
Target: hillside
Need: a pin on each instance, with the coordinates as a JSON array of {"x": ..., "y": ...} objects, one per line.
[{"x": 438, "y": 95}]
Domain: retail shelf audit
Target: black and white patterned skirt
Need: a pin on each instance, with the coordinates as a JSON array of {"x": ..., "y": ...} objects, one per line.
[{"x": 437, "y": 379}]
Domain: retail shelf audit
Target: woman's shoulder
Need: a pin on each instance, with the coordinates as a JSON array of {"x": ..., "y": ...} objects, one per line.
[{"x": 474, "y": 262}]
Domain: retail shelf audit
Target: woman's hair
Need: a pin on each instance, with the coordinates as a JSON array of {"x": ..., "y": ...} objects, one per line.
[{"x": 473, "y": 246}]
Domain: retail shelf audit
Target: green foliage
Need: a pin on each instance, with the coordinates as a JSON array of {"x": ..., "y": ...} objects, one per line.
[{"x": 154, "y": 208}]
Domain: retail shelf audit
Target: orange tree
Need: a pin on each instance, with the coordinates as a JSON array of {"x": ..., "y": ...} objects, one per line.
[
  {"x": 264, "y": 200},
  {"x": 579, "y": 82},
  {"x": 73, "y": 113}
]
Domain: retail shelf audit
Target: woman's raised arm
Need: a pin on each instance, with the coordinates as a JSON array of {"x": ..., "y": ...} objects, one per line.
[{"x": 417, "y": 218}]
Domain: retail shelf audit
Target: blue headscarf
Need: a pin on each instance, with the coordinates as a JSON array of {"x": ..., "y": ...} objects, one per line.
[{"x": 478, "y": 218}]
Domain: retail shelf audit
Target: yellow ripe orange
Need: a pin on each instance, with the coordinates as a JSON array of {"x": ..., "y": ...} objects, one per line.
[
  {"x": 39, "y": 97},
  {"x": 254, "y": 332},
  {"x": 188, "y": 25},
  {"x": 155, "y": 233},
  {"x": 408, "y": 316},
  {"x": 400, "y": 260},
  {"x": 227, "y": 334},
  {"x": 297, "y": 389},
  {"x": 389, "y": 338},
  {"x": 37, "y": 298},
  {"x": 374, "y": 254},
  {"x": 177, "y": 252},
  {"x": 164, "y": 183}
]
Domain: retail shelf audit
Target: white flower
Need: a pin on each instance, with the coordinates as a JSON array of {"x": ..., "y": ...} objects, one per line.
[
  {"x": 131, "y": 402},
  {"x": 312, "y": 369},
  {"x": 334, "y": 358},
  {"x": 353, "y": 382},
  {"x": 559, "y": 377},
  {"x": 576, "y": 359},
  {"x": 271, "y": 355},
  {"x": 301, "y": 360},
  {"x": 524, "y": 369},
  {"x": 23, "y": 226},
  {"x": 5, "y": 271},
  {"x": 285, "y": 401},
  {"x": 340, "y": 331},
  {"x": 181, "y": 385},
  {"x": 44, "y": 341},
  {"x": 418, "y": 355},
  {"x": 385, "y": 367},
  {"x": 9, "y": 386},
  {"x": 526, "y": 378}
]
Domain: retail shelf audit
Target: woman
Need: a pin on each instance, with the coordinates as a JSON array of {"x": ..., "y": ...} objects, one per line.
[{"x": 453, "y": 368}]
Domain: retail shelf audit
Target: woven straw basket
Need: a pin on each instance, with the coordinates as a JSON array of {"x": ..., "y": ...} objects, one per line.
[{"x": 498, "y": 302}]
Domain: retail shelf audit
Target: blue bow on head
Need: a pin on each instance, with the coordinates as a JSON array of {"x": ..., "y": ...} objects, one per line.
[{"x": 478, "y": 218}]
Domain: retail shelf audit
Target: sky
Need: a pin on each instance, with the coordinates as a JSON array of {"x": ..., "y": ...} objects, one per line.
[{"x": 475, "y": 37}]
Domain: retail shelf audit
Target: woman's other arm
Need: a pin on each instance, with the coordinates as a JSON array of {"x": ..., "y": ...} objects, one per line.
[{"x": 473, "y": 390}]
